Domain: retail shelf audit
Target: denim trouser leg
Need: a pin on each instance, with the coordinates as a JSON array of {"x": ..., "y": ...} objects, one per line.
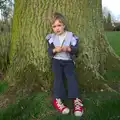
[
  {"x": 59, "y": 90},
  {"x": 69, "y": 71}
]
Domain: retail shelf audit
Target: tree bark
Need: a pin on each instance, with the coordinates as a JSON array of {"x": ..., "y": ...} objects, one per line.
[
  {"x": 4, "y": 50},
  {"x": 30, "y": 67}
]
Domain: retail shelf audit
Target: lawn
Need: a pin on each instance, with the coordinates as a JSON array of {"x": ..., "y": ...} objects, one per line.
[
  {"x": 97, "y": 105},
  {"x": 114, "y": 40}
]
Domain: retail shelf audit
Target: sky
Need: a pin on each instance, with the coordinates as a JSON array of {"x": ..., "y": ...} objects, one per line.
[{"x": 113, "y": 6}]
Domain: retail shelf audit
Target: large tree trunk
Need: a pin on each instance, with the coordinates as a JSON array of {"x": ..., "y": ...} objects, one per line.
[{"x": 30, "y": 67}]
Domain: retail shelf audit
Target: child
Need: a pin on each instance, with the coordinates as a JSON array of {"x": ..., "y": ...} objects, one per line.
[{"x": 63, "y": 46}]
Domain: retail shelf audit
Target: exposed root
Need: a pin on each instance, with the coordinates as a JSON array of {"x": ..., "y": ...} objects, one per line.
[
  {"x": 110, "y": 89},
  {"x": 91, "y": 80},
  {"x": 112, "y": 62}
]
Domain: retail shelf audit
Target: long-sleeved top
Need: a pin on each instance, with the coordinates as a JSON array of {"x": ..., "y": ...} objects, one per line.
[{"x": 67, "y": 39}]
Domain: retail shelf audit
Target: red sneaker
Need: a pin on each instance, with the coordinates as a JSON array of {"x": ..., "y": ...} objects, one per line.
[
  {"x": 78, "y": 107},
  {"x": 60, "y": 106}
]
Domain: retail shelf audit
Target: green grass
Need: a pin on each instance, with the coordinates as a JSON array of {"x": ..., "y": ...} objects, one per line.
[
  {"x": 39, "y": 107},
  {"x": 3, "y": 87},
  {"x": 27, "y": 108},
  {"x": 114, "y": 40},
  {"x": 98, "y": 106}
]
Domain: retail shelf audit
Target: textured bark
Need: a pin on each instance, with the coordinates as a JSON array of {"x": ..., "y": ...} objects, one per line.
[
  {"x": 30, "y": 67},
  {"x": 4, "y": 50}
]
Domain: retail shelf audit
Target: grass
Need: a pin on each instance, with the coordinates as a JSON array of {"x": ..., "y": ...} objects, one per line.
[
  {"x": 3, "y": 87},
  {"x": 38, "y": 107},
  {"x": 114, "y": 40},
  {"x": 27, "y": 108},
  {"x": 98, "y": 105}
]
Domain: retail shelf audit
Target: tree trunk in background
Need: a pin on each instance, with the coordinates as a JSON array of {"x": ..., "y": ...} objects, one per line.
[{"x": 30, "y": 67}]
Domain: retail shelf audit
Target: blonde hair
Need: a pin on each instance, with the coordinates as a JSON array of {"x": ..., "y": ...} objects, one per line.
[{"x": 60, "y": 17}]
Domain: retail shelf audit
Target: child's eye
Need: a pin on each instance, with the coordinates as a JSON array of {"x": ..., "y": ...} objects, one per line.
[
  {"x": 53, "y": 26},
  {"x": 59, "y": 25}
]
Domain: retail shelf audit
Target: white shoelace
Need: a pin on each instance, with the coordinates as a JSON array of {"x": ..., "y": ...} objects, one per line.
[
  {"x": 60, "y": 104},
  {"x": 78, "y": 104}
]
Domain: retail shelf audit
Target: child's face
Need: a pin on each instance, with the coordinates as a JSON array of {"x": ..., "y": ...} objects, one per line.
[{"x": 58, "y": 27}]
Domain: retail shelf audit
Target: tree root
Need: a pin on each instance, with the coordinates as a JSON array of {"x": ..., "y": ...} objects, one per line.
[
  {"x": 112, "y": 62},
  {"x": 91, "y": 80}
]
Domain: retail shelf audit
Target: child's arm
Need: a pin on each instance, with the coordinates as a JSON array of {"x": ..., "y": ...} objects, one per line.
[
  {"x": 74, "y": 45},
  {"x": 51, "y": 47}
]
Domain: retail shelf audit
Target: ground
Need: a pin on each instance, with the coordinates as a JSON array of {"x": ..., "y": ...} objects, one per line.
[{"x": 97, "y": 105}]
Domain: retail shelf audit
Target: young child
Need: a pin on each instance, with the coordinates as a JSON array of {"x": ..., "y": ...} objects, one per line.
[{"x": 63, "y": 47}]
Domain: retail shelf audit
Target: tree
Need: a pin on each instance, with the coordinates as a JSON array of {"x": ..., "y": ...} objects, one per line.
[
  {"x": 2, "y": 3},
  {"x": 105, "y": 22},
  {"x": 109, "y": 22},
  {"x": 107, "y": 19},
  {"x": 30, "y": 67},
  {"x": 6, "y": 7}
]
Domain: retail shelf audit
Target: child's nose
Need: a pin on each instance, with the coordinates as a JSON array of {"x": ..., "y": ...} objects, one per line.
[{"x": 57, "y": 28}]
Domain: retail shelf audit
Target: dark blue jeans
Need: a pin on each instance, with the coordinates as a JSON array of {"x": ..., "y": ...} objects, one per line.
[{"x": 60, "y": 69}]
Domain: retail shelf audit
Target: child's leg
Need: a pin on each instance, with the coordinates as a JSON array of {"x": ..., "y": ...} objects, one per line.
[
  {"x": 73, "y": 91},
  {"x": 59, "y": 90},
  {"x": 69, "y": 70}
]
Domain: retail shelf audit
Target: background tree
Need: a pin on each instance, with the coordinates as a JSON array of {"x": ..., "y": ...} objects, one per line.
[
  {"x": 109, "y": 22},
  {"x": 2, "y": 3},
  {"x": 6, "y": 14},
  {"x": 6, "y": 8},
  {"x": 108, "y": 19},
  {"x": 105, "y": 22},
  {"x": 30, "y": 67}
]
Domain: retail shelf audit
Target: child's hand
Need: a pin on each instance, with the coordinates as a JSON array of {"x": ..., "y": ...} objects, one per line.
[
  {"x": 69, "y": 49},
  {"x": 58, "y": 49},
  {"x": 65, "y": 48}
]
